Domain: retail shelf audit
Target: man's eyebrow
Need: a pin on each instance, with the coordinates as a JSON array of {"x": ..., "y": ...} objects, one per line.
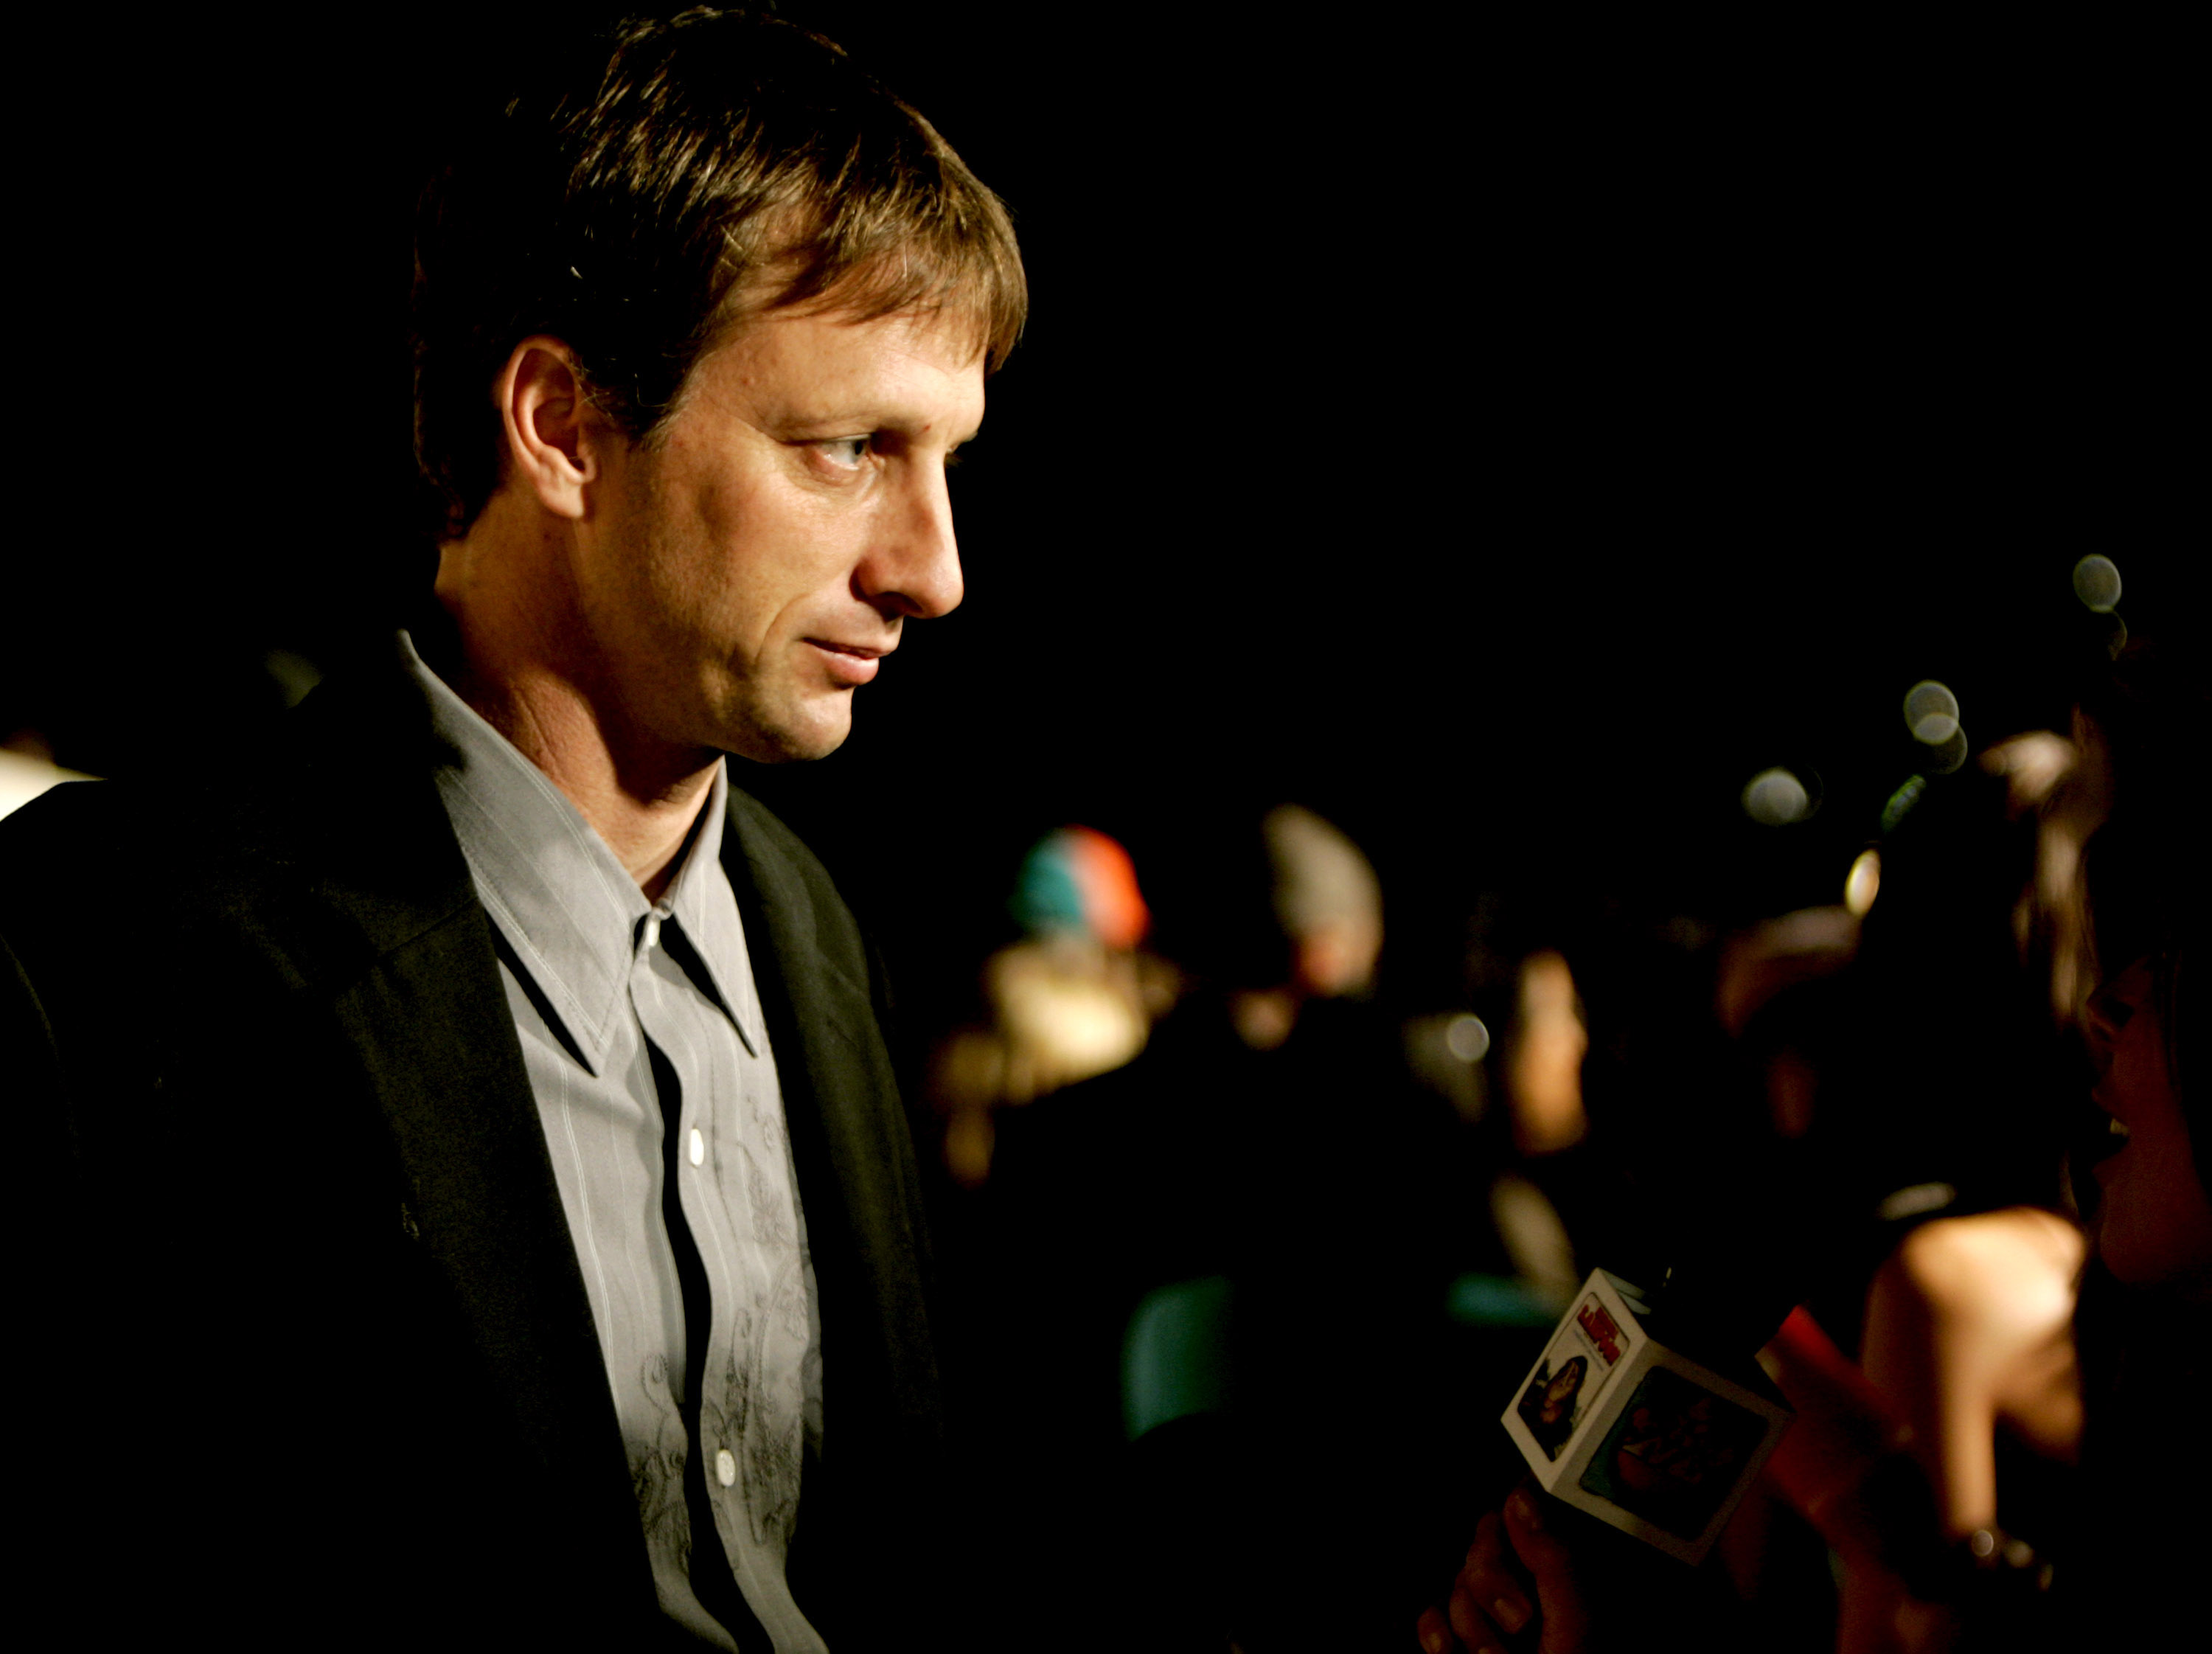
[
  {"x": 854, "y": 420},
  {"x": 861, "y": 421},
  {"x": 845, "y": 420}
]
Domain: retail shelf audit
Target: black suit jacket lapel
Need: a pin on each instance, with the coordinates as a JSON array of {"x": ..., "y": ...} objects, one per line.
[
  {"x": 876, "y": 1485},
  {"x": 427, "y": 1019}
]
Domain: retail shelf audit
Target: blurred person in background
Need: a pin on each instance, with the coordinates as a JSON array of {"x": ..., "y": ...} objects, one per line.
[
  {"x": 1999, "y": 1353},
  {"x": 1544, "y": 1048},
  {"x": 477, "y": 1205},
  {"x": 1976, "y": 1335},
  {"x": 1967, "y": 1334},
  {"x": 1072, "y": 999},
  {"x": 2142, "y": 1165},
  {"x": 1901, "y": 1460},
  {"x": 1203, "y": 1284}
]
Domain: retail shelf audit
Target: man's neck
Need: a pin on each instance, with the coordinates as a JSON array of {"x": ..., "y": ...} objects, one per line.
[{"x": 640, "y": 796}]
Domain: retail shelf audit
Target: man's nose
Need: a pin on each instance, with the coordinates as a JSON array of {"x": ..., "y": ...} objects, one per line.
[{"x": 915, "y": 568}]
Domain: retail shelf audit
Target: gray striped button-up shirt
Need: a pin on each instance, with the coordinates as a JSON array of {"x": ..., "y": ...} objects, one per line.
[{"x": 638, "y": 1020}]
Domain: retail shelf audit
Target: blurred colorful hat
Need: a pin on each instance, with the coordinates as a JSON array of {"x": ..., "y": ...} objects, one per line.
[{"x": 1079, "y": 879}]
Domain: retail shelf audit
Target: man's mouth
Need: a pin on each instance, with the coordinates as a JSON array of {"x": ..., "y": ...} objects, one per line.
[{"x": 851, "y": 663}]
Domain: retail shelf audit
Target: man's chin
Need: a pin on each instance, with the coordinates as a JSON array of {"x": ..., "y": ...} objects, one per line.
[{"x": 794, "y": 740}]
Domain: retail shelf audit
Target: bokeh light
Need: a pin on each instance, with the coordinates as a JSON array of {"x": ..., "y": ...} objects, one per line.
[
  {"x": 2097, "y": 583},
  {"x": 1863, "y": 883},
  {"x": 1901, "y": 802},
  {"x": 1466, "y": 1038},
  {"x": 1775, "y": 798},
  {"x": 1931, "y": 713}
]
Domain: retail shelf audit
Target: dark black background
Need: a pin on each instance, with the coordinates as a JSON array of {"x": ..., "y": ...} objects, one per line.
[{"x": 1506, "y": 437}]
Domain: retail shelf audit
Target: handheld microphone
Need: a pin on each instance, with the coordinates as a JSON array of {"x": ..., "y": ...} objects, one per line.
[{"x": 1635, "y": 1431}]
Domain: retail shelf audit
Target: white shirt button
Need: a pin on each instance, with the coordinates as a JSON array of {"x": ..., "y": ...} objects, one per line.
[
  {"x": 726, "y": 1467},
  {"x": 698, "y": 1147},
  {"x": 652, "y": 937}
]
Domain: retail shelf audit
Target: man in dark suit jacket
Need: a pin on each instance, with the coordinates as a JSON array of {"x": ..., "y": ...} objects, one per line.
[{"x": 310, "y": 1357}]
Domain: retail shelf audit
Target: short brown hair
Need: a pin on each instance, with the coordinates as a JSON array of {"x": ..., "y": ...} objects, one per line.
[{"x": 654, "y": 187}]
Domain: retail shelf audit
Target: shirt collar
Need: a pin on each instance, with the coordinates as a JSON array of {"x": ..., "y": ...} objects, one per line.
[
  {"x": 702, "y": 905},
  {"x": 568, "y": 910}
]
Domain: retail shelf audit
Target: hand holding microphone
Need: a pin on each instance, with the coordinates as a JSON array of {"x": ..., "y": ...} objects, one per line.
[{"x": 1516, "y": 1572}]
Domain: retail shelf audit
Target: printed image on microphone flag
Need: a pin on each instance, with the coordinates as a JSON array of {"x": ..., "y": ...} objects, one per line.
[
  {"x": 1573, "y": 1374},
  {"x": 1554, "y": 1404},
  {"x": 1672, "y": 1457}
]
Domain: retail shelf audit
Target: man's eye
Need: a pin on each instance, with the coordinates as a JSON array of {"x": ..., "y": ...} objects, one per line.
[{"x": 846, "y": 453}]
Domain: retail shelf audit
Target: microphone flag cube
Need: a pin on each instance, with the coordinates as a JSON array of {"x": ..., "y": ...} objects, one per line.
[{"x": 1614, "y": 1423}]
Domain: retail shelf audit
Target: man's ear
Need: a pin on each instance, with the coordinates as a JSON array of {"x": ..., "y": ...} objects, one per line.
[{"x": 555, "y": 440}]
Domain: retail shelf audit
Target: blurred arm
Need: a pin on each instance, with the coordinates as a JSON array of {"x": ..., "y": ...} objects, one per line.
[{"x": 1970, "y": 1325}]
